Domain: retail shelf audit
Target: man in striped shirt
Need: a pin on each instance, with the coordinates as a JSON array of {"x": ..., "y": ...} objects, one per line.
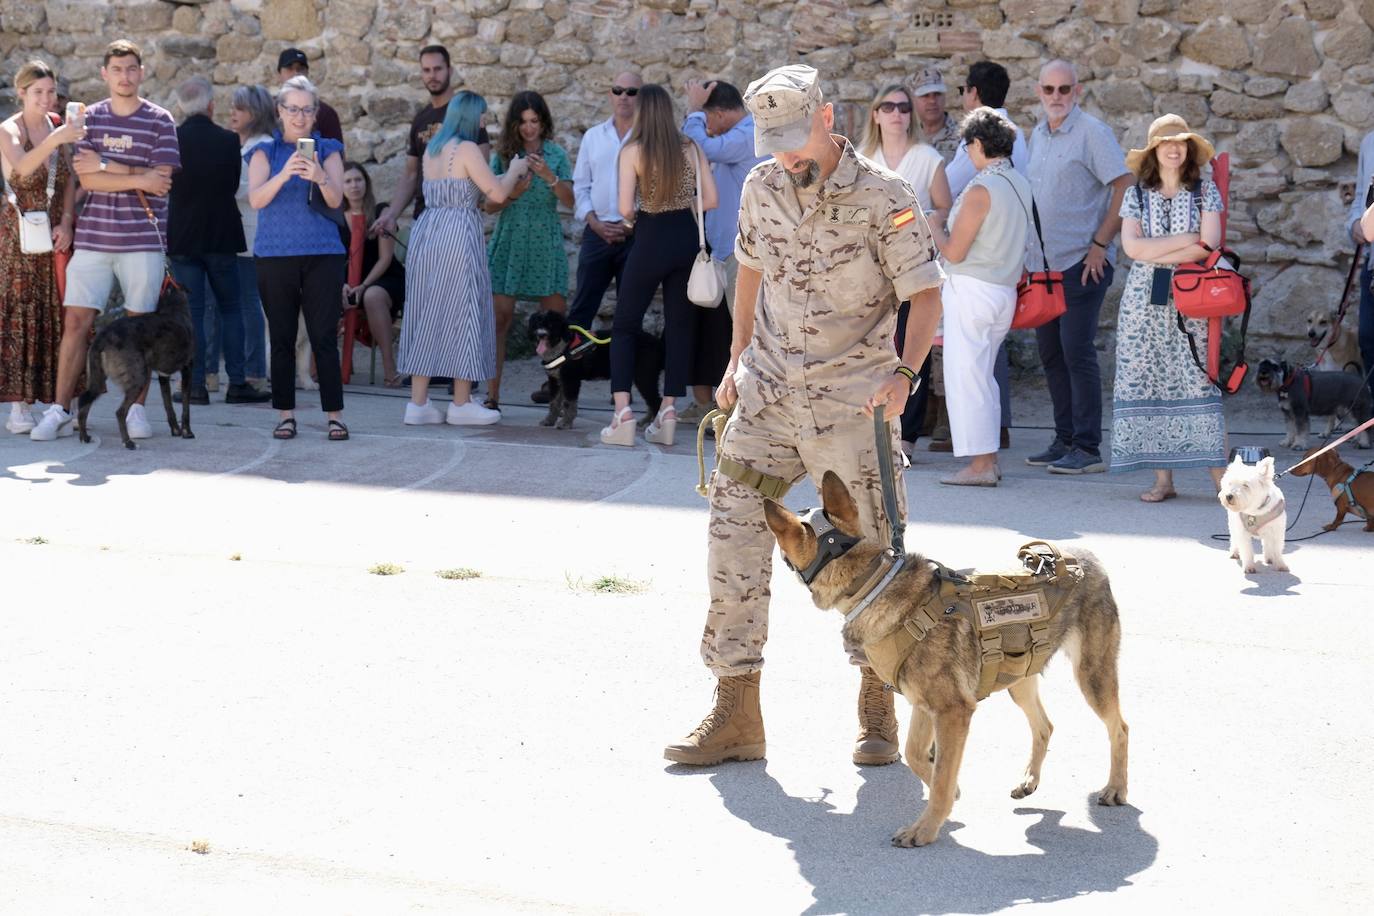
[{"x": 130, "y": 146}]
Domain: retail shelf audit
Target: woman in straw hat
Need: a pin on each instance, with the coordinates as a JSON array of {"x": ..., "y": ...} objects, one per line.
[{"x": 1165, "y": 413}]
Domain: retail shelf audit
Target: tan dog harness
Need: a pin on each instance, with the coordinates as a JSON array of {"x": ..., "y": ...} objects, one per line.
[{"x": 1011, "y": 613}]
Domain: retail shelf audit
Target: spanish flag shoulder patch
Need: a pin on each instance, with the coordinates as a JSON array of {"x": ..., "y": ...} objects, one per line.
[{"x": 901, "y": 219}]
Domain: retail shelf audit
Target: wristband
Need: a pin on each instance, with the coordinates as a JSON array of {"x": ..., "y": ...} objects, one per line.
[
  {"x": 909, "y": 374},
  {"x": 1099, "y": 244},
  {"x": 1205, "y": 247}
]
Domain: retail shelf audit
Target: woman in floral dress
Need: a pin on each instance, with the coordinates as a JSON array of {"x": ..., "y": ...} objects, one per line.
[
  {"x": 1166, "y": 414},
  {"x": 33, "y": 150}
]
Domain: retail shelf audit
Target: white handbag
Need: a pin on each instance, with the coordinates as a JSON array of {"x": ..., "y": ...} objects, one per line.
[
  {"x": 706, "y": 284},
  {"x": 35, "y": 229}
]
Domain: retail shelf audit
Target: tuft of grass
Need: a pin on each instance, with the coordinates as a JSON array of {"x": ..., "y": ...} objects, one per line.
[
  {"x": 461, "y": 572},
  {"x": 36, "y": 539},
  {"x": 386, "y": 569},
  {"x": 606, "y": 585},
  {"x": 236, "y": 557},
  {"x": 200, "y": 847}
]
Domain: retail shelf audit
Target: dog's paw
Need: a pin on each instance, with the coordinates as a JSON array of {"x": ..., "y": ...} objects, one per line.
[
  {"x": 187, "y": 434},
  {"x": 1250, "y": 567},
  {"x": 921, "y": 833},
  {"x": 1234, "y": 554},
  {"x": 1029, "y": 783},
  {"x": 547, "y": 421},
  {"x": 129, "y": 444},
  {"x": 86, "y": 438},
  {"x": 565, "y": 423},
  {"x": 1112, "y": 796},
  {"x": 1278, "y": 565}
]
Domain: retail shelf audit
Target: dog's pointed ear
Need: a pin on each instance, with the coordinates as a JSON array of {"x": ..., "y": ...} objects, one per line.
[
  {"x": 1266, "y": 469},
  {"x": 839, "y": 505},
  {"x": 787, "y": 528}
]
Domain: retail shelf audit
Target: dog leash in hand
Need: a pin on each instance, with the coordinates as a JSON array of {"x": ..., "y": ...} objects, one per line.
[{"x": 882, "y": 441}]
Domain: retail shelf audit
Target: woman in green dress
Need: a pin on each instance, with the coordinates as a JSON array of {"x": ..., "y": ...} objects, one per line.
[{"x": 526, "y": 253}]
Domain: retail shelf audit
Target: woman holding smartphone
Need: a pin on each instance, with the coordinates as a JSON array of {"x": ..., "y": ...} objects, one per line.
[{"x": 298, "y": 253}]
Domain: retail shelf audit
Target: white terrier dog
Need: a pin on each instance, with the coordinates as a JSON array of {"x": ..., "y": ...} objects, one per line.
[{"x": 1255, "y": 509}]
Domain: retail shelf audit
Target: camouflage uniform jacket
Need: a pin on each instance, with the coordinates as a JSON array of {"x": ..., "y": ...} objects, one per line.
[
  {"x": 834, "y": 275},
  {"x": 946, "y": 140}
]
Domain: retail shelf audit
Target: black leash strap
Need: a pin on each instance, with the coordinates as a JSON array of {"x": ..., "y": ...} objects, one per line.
[{"x": 882, "y": 440}]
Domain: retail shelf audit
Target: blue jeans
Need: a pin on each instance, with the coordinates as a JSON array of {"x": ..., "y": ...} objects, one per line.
[
  {"x": 221, "y": 273},
  {"x": 254, "y": 325},
  {"x": 1070, "y": 360},
  {"x": 1367, "y": 324}
]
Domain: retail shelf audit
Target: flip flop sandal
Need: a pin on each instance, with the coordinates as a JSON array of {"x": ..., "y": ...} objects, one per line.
[
  {"x": 1156, "y": 495},
  {"x": 286, "y": 429},
  {"x": 337, "y": 432},
  {"x": 491, "y": 404}
]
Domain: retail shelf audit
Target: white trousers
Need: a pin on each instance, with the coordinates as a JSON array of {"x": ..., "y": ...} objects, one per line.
[{"x": 977, "y": 317}]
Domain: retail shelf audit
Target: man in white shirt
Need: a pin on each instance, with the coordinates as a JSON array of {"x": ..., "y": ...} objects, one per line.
[
  {"x": 987, "y": 85},
  {"x": 605, "y": 241}
]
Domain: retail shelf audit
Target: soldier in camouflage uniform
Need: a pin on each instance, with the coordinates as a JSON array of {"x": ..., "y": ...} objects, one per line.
[{"x": 836, "y": 244}]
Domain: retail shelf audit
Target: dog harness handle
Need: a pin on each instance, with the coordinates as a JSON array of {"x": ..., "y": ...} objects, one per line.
[{"x": 882, "y": 441}]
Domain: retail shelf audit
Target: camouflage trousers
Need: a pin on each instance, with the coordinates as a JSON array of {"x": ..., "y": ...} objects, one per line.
[{"x": 740, "y": 552}]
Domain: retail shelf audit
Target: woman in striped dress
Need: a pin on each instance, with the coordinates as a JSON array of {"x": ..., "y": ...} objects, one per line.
[{"x": 449, "y": 325}]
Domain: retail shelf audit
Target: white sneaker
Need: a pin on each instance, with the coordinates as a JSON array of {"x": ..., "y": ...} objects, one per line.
[
  {"x": 55, "y": 424},
  {"x": 21, "y": 420},
  {"x": 471, "y": 414},
  {"x": 137, "y": 423},
  {"x": 422, "y": 414}
]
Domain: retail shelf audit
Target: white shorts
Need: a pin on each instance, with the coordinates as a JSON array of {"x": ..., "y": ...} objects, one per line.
[{"x": 91, "y": 275}]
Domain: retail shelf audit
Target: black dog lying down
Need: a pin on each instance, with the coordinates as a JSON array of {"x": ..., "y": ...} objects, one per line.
[
  {"x": 1304, "y": 393},
  {"x": 131, "y": 349},
  {"x": 570, "y": 357}
]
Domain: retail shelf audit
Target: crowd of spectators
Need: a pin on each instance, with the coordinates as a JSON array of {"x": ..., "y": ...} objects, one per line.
[{"x": 274, "y": 235}]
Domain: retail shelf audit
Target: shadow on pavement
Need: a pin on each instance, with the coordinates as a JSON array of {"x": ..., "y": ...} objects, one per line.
[{"x": 851, "y": 866}]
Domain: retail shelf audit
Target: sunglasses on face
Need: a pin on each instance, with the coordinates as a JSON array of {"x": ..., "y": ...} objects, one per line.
[
  {"x": 296, "y": 111},
  {"x": 631, "y": 91},
  {"x": 1051, "y": 90},
  {"x": 889, "y": 107}
]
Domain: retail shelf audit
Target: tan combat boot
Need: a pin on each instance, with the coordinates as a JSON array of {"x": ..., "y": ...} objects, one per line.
[
  {"x": 877, "y": 742},
  {"x": 733, "y": 730}
]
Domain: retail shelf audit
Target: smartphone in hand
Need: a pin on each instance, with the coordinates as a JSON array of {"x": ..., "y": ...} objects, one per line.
[{"x": 305, "y": 146}]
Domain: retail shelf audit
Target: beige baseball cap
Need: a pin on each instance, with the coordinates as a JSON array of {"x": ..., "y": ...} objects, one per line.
[
  {"x": 927, "y": 81},
  {"x": 782, "y": 103}
]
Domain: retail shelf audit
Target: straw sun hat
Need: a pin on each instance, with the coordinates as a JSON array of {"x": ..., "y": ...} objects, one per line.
[{"x": 1171, "y": 127}]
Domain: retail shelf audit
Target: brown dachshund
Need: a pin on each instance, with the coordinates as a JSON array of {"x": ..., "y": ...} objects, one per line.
[{"x": 1344, "y": 484}]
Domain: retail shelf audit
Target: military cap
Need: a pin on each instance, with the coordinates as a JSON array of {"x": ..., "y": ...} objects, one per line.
[
  {"x": 782, "y": 103},
  {"x": 927, "y": 81}
]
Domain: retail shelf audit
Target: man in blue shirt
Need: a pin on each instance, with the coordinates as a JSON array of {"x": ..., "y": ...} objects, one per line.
[{"x": 719, "y": 123}]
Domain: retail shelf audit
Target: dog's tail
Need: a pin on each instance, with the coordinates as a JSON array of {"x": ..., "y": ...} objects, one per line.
[{"x": 95, "y": 375}]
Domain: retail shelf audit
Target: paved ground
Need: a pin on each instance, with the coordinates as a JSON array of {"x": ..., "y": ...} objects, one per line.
[{"x": 194, "y": 650}]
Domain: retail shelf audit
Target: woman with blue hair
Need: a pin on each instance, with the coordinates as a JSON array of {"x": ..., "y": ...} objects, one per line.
[{"x": 449, "y": 327}]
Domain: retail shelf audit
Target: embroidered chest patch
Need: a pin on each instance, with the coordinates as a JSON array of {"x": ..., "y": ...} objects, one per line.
[
  {"x": 1020, "y": 608},
  {"x": 835, "y": 214}
]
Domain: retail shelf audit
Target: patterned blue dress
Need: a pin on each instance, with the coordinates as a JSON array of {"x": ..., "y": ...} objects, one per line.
[
  {"x": 449, "y": 327},
  {"x": 1165, "y": 413}
]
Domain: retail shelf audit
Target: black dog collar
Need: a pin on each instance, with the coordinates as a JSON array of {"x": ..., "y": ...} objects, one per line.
[{"x": 831, "y": 544}]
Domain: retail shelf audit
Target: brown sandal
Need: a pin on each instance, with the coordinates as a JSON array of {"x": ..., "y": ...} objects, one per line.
[{"x": 337, "y": 431}]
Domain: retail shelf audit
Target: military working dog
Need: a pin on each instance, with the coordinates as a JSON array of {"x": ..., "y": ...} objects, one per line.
[
  {"x": 941, "y": 675},
  {"x": 130, "y": 349}
]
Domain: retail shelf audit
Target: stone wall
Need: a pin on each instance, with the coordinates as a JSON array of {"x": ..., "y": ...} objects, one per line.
[{"x": 1284, "y": 87}]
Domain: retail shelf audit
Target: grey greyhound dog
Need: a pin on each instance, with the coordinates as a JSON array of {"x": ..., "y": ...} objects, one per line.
[{"x": 130, "y": 349}]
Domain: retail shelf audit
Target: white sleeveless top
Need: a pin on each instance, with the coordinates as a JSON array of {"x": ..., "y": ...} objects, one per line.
[{"x": 917, "y": 167}]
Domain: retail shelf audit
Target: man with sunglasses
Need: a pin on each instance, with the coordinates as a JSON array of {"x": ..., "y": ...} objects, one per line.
[
  {"x": 605, "y": 242},
  {"x": 835, "y": 243},
  {"x": 938, "y": 127},
  {"x": 1079, "y": 177}
]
